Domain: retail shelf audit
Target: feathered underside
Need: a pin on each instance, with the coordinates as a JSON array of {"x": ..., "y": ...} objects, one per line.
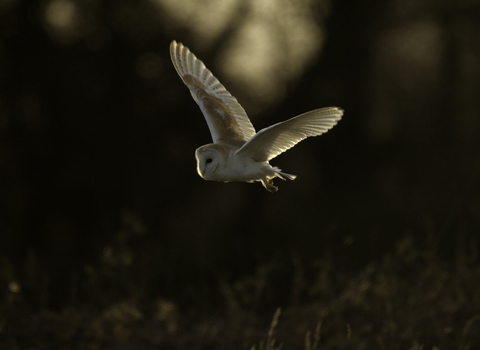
[
  {"x": 278, "y": 138},
  {"x": 225, "y": 117}
]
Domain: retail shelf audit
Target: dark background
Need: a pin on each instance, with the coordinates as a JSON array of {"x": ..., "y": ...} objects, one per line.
[{"x": 99, "y": 196}]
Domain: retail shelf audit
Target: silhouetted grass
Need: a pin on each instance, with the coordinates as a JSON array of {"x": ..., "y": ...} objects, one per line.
[{"x": 409, "y": 300}]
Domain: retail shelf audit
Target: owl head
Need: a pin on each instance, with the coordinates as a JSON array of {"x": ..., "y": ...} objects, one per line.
[{"x": 208, "y": 160}]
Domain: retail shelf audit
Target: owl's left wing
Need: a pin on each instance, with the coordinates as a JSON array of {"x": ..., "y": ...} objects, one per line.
[
  {"x": 225, "y": 117},
  {"x": 276, "y": 139}
]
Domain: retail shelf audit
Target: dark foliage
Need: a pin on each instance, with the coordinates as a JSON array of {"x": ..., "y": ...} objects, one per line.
[{"x": 109, "y": 239}]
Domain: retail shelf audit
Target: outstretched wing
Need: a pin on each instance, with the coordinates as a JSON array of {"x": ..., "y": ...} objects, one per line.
[
  {"x": 270, "y": 142},
  {"x": 225, "y": 117}
]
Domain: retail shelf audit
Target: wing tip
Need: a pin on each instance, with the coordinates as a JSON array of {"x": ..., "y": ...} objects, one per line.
[
  {"x": 185, "y": 62},
  {"x": 337, "y": 111},
  {"x": 173, "y": 47}
]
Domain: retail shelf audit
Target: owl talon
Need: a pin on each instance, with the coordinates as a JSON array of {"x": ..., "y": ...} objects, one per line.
[{"x": 270, "y": 187}]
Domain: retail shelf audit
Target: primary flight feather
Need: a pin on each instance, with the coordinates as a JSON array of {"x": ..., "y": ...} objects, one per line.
[{"x": 238, "y": 153}]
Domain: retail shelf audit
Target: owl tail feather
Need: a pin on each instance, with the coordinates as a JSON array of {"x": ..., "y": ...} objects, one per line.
[{"x": 282, "y": 175}]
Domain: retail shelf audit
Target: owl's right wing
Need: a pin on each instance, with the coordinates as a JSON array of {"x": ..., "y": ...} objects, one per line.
[
  {"x": 276, "y": 139},
  {"x": 225, "y": 117}
]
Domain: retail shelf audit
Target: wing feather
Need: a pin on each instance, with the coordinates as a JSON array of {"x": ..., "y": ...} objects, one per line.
[
  {"x": 276, "y": 139},
  {"x": 225, "y": 117}
]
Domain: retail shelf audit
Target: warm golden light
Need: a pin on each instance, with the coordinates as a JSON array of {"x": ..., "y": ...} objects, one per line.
[
  {"x": 60, "y": 13},
  {"x": 271, "y": 46},
  {"x": 61, "y": 21}
]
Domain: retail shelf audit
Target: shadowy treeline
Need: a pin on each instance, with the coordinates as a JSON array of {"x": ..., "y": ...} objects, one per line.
[{"x": 99, "y": 196}]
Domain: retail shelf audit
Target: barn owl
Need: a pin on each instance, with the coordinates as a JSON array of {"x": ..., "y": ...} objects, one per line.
[{"x": 238, "y": 153}]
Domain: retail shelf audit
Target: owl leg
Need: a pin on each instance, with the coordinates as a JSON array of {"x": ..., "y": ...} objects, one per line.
[
  {"x": 268, "y": 184},
  {"x": 272, "y": 188}
]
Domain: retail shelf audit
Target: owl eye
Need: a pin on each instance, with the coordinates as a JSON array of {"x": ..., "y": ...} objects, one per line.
[{"x": 209, "y": 160}]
